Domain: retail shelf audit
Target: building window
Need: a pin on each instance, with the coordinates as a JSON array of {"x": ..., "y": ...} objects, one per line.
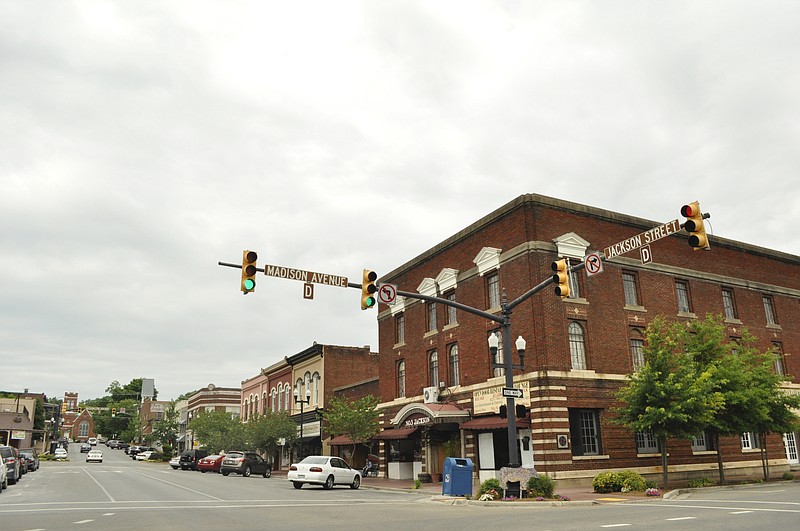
[
  {"x": 493, "y": 290},
  {"x": 498, "y": 371},
  {"x": 315, "y": 381},
  {"x": 401, "y": 378},
  {"x": 287, "y": 397},
  {"x": 637, "y": 349},
  {"x": 574, "y": 284},
  {"x": 244, "y": 410},
  {"x": 431, "y": 316},
  {"x": 264, "y": 403},
  {"x": 631, "y": 290},
  {"x": 750, "y": 441},
  {"x": 682, "y": 294},
  {"x": 584, "y": 427},
  {"x": 433, "y": 368},
  {"x": 451, "y": 311},
  {"x": 702, "y": 443},
  {"x": 729, "y": 304},
  {"x": 255, "y": 404},
  {"x": 577, "y": 346},
  {"x": 646, "y": 442},
  {"x": 274, "y": 400},
  {"x": 83, "y": 429},
  {"x": 399, "y": 329},
  {"x": 453, "y": 355},
  {"x": 769, "y": 310},
  {"x": 777, "y": 349}
]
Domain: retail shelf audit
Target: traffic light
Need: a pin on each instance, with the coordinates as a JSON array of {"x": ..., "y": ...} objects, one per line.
[
  {"x": 113, "y": 412},
  {"x": 694, "y": 226},
  {"x": 368, "y": 288},
  {"x": 249, "y": 271},
  {"x": 561, "y": 278},
  {"x": 63, "y": 407}
]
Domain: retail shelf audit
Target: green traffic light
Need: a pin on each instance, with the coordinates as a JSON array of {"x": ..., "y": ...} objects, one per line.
[
  {"x": 370, "y": 302},
  {"x": 249, "y": 284}
]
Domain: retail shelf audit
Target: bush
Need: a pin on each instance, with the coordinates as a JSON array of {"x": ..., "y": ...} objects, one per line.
[
  {"x": 606, "y": 482},
  {"x": 701, "y": 482},
  {"x": 155, "y": 456},
  {"x": 490, "y": 484},
  {"x": 631, "y": 481},
  {"x": 541, "y": 485},
  {"x": 788, "y": 475}
]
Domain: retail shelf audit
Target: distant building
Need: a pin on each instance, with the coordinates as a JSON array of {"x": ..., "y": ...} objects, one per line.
[{"x": 211, "y": 398}]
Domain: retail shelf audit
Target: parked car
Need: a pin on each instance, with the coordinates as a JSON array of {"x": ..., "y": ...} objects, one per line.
[
  {"x": 144, "y": 456},
  {"x": 122, "y": 445},
  {"x": 245, "y": 463},
  {"x": 92, "y": 441},
  {"x": 3, "y": 476},
  {"x": 60, "y": 454},
  {"x": 175, "y": 462},
  {"x": 31, "y": 456},
  {"x": 210, "y": 463},
  {"x": 94, "y": 455},
  {"x": 323, "y": 470},
  {"x": 112, "y": 443},
  {"x": 189, "y": 458},
  {"x": 133, "y": 451},
  {"x": 85, "y": 447},
  {"x": 10, "y": 456}
]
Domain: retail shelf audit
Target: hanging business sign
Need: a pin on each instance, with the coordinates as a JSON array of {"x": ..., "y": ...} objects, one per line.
[{"x": 489, "y": 400}]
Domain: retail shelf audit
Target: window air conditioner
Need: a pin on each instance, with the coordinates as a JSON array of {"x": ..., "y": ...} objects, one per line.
[{"x": 430, "y": 395}]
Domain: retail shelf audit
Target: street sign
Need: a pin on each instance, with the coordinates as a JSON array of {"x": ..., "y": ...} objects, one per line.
[
  {"x": 647, "y": 254},
  {"x": 308, "y": 291},
  {"x": 512, "y": 392},
  {"x": 305, "y": 276},
  {"x": 594, "y": 264},
  {"x": 387, "y": 293},
  {"x": 642, "y": 239}
]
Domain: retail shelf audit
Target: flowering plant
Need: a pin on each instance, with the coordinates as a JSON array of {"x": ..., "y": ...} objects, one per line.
[
  {"x": 539, "y": 498},
  {"x": 490, "y": 495},
  {"x": 652, "y": 492}
]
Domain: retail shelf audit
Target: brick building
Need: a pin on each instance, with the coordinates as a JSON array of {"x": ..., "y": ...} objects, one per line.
[
  {"x": 210, "y": 398},
  {"x": 439, "y": 390}
]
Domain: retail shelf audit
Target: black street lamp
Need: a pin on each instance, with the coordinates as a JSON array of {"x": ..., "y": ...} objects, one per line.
[
  {"x": 297, "y": 400},
  {"x": 520, "y": 343}
]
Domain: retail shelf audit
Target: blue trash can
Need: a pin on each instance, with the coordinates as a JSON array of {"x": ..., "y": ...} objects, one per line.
[{"x": 457, "y": 477}]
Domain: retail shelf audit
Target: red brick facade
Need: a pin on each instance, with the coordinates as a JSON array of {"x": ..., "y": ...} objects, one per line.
[{"x": 527, "y": 232}]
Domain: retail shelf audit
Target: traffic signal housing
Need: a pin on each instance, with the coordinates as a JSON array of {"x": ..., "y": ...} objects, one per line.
[
  {"x": 249, "y": 271},
  {"x": 113, "y": 412},
  {"x": 561, "y": 277},
  {"x": 694, "y": 226},
  {"x": 368, "y": 289}
]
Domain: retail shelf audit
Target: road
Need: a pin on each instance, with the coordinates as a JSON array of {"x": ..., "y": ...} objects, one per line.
[{"x": 121, "y": 494}]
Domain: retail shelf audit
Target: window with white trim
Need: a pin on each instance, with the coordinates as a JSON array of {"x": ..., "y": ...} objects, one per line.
[
  {"x": 584, "y": 427},
  {"x": 577, "y": 346},
  {"x": 646, "y": 442}
]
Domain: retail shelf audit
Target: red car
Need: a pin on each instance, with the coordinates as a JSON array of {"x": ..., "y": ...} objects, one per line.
[{"x": 210, "y": 463}]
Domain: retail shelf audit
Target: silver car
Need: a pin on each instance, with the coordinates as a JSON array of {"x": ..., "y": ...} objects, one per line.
[{"x": 323, "y": 470}]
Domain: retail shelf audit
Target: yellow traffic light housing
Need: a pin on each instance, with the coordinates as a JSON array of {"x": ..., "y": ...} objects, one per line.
[
  {"x": 249, "y": 271},
  {"x": 113, "y": 412},
  {"x": 368, "y": 289},
  {"x": 561, "y": 277},
  {"x": 694, "y": 226}
]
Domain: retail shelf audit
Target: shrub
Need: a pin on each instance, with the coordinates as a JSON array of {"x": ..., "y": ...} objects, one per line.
[
  {"x": 701, "y": 482},
  {"x": 417, "y": 484},
  {"x": 606, "y": 482},
  {"x": 631, "y": 481},
  {"x": 788, "y": 475},
  {"x": 490, "y": 484},
  {"x": 156, "y": 456},
  {"x": 541, "y": 485}
]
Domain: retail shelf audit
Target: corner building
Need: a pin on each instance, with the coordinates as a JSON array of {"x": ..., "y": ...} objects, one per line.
[{"x": 440, "y": 394}]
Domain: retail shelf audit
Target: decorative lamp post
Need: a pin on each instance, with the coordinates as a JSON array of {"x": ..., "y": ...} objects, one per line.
[
  {"x": 494, "y": 345},
  {"x": 302, "y": 403}
]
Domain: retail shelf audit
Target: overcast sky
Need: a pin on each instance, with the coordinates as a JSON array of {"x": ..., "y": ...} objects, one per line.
[{"x": 143, "y": 142}]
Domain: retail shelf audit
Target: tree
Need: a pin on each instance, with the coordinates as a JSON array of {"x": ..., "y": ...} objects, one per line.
[
  {"x": 358, "y": 419},
  {"x": 671, "y": 396},
  {"x": 219, "y": 430},
  {"x": 166, "y": 429},
  {"x": 264, "y": 431}
]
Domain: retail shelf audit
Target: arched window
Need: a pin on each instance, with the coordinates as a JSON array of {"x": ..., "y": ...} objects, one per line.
[
  {"x": 315, "y": 380},
  {"x": 433, "y": 365},
  {"x": 83, "y": 429},
  {"x": 244, "y": 409},
  {"x": 255, "y": 404},
  {"x": 637, "y": 349},
  {"x": 401, "y": 378},
  {"x": 577, "y": 346},
  {"x": 454, "y": 376},
  {"x": 287, "y": 396},
  {"x": 264, "y": 403},
  {"x": 274, "y": 400}
]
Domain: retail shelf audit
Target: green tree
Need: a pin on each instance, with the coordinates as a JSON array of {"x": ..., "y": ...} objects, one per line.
[
  {"x": 671, "y": 395},
  {"x": 264, "y": 431},
  {"x": 358, "y": 419},
  {"x": 219, "y": 430},
  {"x": 166, "y": 429}
]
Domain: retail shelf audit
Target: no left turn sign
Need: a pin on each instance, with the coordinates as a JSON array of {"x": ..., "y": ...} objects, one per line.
[{"x": 387, "y": 293}]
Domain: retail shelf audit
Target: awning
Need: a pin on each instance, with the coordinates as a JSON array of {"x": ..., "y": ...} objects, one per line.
[
  {"x": 181, "y": 438},
  {"x": 400, "y": 433},
  {"x": 342, "y": 440},
  {"x": 493, "y": 422}
]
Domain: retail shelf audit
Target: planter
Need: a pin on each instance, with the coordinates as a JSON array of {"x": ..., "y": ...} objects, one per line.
[
  {"x": 424, "y": 478},
  {"x": 436, "y": 478}
]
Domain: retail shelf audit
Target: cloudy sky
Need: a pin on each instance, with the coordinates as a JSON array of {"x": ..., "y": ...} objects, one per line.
[{"x": 143, "y": 142}]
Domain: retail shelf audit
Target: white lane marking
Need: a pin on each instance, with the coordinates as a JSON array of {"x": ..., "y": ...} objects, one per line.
[
  {"x": 83, "y": 521},
  {"x": 181, "y": 487},
  {"x": 749, "y": 501},
  {"x": 99, "y": 485},
  {"x": 741, "y": 512},
  {"x": 681, "y": 518},
  {"x": 109, "y": 514},
  {"x": 615, "y": 525},
  {"x": 653, "y": 504}
]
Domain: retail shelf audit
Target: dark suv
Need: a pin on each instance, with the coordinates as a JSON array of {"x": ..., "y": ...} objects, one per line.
[
  {"x": 245, "y": 463},
  {"x": 13, "y": 463},
  {"x": 189, "y": 459},
  {"x": 32, "y": 457}
]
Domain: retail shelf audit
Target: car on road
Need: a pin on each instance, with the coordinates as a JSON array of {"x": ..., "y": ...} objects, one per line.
[
  {"x": 92, "y": 441},
  {"x": 94, "y": 455},
  {"x": 10, "y": 456},
  {"x": 323, "y": 470},
  {"x": 122, "y": 445},
  {"x": 144, "y": 456},
  {"x": 85, "y": 447},
  {"x": 60, "y": 454},
  {"x": 175, "y": 462},
  {"x": 133, "y": 451},
  {"x": 189, "y": 458},
  {"x": 112, "y": 443},
  {"x": 210, "y": 463},
  {"x": 245, "y": 463},
  {"x": 3, "y": 476},
  {"x": 31, "y": 456}
]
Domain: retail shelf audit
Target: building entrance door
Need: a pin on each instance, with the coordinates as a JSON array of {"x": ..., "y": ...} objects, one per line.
[{"x": 790, "y": 442}]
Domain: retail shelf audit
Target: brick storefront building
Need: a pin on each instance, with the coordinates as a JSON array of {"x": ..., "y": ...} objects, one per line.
[{"x": 438, "y": 388}]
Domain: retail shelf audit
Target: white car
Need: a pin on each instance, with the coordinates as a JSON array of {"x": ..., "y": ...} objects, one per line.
[
  {"x": 92, "y": 441},
  {"x": 3, "y": 475},
  {"x": 323, "y": 470},
  {"x": 60, "y": 454},
  {"x": 94, "y": 455},
  {"x": 144, "y": 456},
  {"x": 175, "y": 462}
]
